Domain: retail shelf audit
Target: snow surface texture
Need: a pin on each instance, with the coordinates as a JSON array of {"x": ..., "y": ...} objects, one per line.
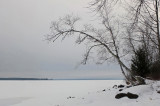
[{"x": 75, "y": 93}]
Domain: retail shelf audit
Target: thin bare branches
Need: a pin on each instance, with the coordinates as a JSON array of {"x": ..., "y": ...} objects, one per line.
[
  {"x": 86, "y": 56},
  {"x": 141, "y": 29},
  {"x": 103, "y": 39}
]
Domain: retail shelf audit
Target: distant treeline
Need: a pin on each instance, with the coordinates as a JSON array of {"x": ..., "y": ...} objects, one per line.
[{"x": 24, "y": 79}]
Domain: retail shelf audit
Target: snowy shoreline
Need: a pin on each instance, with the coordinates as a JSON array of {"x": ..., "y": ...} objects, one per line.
[{"x": 74, "y": 93}]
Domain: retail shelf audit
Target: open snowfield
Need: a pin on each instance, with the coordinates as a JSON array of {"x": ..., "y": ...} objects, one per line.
[{"x": 73, "y": 93}]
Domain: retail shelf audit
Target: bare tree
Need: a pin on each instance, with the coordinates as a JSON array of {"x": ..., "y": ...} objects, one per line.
[
  {"x": 105, "y": 40},
  {"x": 142, "y": 27},
  {"x": 144, "y": 24}
]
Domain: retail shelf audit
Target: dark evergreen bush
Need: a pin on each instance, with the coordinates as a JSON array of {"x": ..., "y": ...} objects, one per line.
[
  {"x": 155, "y": 71},
  {"x": 140, "y": 65}
]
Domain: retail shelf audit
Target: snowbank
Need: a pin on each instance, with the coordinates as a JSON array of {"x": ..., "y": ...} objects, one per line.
[{"x": 75, "y": 93}]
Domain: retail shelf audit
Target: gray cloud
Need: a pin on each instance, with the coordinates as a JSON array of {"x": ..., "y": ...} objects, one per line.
[{"x": 23, "y": 51}]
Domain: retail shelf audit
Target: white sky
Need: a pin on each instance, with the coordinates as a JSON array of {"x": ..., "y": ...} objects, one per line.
[{"x": 23, "y": 51}]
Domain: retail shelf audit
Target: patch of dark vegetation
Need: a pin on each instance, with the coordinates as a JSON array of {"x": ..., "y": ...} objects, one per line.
[
  {"x": 129, "y": 95},
  {"x": 132, "y": 96},
  {"x": 128, "y": 86},
  {"x": 143, "y": 66},
  {"x": 121, "y": 86},
  {"x": 120, "y": 95},
  {"x": 70, "y": 97},
  {"x": 103, "y": 90},
  {"x": 158, "y": 91},
  {"x": 140, "y": 66},
  {"x": 115, "y": 86},
  {"x": 120, "y": 90}
]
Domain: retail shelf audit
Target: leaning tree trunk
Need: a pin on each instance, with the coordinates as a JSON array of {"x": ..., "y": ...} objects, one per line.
[{"x": 157, "y": 22}]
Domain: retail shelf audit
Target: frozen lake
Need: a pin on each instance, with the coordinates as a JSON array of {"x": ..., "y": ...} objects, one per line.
[
  {"x": 51, "y": 93},
  {"x": 75, "y": 93}
]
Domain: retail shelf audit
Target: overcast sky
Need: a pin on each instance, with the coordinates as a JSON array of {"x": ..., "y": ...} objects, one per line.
[{"x": 25, "y": 53}]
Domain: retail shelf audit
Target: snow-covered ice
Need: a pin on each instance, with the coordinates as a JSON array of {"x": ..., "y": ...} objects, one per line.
[{"x": 74, "y": 93}]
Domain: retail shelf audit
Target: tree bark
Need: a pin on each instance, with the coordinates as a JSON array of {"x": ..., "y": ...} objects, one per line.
[{"x": 157, "y": 21}]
